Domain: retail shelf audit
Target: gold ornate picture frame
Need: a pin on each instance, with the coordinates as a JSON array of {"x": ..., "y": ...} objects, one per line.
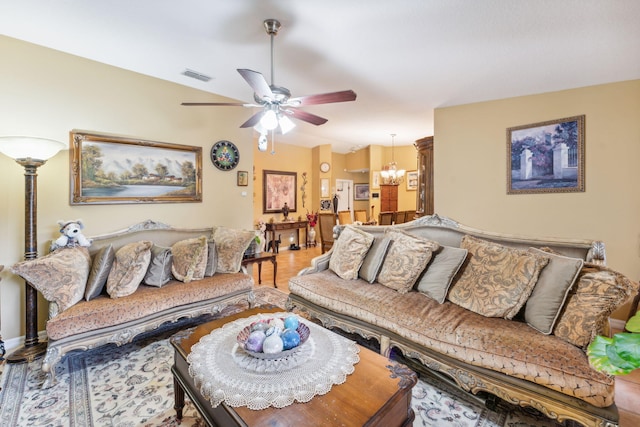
[
  {"x": 107, "y": 169},
  {"x": 546, "y": 157}
]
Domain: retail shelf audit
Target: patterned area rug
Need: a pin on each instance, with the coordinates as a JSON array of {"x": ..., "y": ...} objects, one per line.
[{"x": 132, "y": 385}]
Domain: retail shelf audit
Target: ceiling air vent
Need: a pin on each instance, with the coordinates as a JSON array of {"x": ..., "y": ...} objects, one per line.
[{"x": 196, "y": 75}]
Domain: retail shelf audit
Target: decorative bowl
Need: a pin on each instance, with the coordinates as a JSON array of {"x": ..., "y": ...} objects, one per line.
[{"x": 302, "y": 329}]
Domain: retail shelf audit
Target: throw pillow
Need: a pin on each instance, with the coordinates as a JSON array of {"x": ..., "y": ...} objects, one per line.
[
  {"x": 189, "y": 259},
  {"x": 438, "y": 276},
  {"x": 497, "y": 279},
  {"x": 100, "y": 268},
  {"x": 60, "y": 276},
  {"x": 596, "y": 294},
  {"x": 373, "y": 261},
  {"x": 230, "y": 247},
  {"x": 408, "y": 255},
  {"x": 543, "y": 306},
  {"x": 159, "y": 271},
  {"x": 129, "y": 267},
  {"x": 212, "y": 259},
  {"x": 349, "y": 251}
]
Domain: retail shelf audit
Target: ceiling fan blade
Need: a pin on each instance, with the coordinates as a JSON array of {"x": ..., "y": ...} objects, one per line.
[
  {"x": 253, "y": 120},
  {"x": 224, "y": 104},
  {"x": 307, "y": 117},
  {"x": 257, "y": 83},
  {"x": 323, "y": 98}
]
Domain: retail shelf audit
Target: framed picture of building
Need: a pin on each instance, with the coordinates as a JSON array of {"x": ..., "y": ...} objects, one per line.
[{"x": 546, "y": 157}]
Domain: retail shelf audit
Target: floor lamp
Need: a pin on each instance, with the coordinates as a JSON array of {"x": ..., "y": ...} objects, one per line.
[{"x": 30, "y": 153}]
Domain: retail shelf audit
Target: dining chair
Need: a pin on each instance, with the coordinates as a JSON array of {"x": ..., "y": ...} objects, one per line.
[
  {"x": 400, "y": 217},
  {"x": 385, "y": 218},
  {"x": 344, "y": 217},
  {"x": 360, "y": 215},
  {"x": 326, "y": 222}
]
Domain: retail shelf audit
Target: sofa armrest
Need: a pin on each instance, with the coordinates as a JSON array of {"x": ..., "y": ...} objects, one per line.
[
  {"x": 318, "y": 264},
  {"x": 54, "y": 310}
]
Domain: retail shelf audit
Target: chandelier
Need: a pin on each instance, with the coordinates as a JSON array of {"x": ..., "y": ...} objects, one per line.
[{"x": 391, "y": 175}]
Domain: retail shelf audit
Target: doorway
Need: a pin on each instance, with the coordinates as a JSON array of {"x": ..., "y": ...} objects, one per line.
[{"x": 344, "y": 191}]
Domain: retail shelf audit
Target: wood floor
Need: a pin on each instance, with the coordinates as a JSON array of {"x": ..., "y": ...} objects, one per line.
[{"x": 291, "y": 262}]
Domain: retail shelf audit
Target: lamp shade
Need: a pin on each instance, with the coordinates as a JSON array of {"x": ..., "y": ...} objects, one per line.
[
  {"x": 23, "y": 147},
  {"x": 269, "y": 120},
  {"x": 286, "y": 124}
]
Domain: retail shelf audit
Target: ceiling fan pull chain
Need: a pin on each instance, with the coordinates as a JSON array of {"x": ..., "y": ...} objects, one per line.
[{"x": 273, "y": 142}]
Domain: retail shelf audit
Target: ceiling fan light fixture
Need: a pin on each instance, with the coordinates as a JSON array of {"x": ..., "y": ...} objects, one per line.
[
  {"x": 269, "y": 120},
  {"x": 286, "y": 124}
]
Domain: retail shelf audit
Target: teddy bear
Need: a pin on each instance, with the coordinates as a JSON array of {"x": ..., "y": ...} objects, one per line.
[{"x": 71, "y": 235}]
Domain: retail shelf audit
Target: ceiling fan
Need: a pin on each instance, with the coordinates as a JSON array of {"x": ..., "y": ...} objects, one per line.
[{"x": 276, "y": 101}]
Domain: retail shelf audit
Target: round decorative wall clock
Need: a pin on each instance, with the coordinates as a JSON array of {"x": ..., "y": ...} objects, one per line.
[
  {"x": 225, "y": 155},
  {"x": 324, "y": 167}
]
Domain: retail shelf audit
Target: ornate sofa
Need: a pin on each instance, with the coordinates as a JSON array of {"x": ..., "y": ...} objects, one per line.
[
  {"x": 117, "y": 318},
  {"x": 532, "y": 354}
]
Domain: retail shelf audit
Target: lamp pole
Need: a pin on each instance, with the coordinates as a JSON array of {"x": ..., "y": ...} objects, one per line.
[
  {"x": 32, "y": 347},
  {"x": 30, "y": 153}
]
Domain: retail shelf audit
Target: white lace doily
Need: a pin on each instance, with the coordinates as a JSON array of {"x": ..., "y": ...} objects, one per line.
[{"x": 224, "y": 372}]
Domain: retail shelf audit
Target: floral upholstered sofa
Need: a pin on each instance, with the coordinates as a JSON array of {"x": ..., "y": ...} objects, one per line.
[
  {"x": 134, "y": 280},
  {"x": 502, "y": 315}
]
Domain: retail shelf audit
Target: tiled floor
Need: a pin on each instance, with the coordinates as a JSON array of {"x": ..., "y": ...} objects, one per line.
[{"x": 291, "y": 262}]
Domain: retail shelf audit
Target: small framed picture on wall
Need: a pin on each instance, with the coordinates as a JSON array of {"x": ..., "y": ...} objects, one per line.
[
  {"x": 412, "y": 180},
  {"x": 243, "y": 178}
]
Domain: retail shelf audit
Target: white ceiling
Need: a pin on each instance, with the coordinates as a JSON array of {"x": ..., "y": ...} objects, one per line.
[{"x": 403, "y": 58}]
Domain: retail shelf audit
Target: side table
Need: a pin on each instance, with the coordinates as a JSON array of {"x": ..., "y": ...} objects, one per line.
[{"x": 259, "y": 259}]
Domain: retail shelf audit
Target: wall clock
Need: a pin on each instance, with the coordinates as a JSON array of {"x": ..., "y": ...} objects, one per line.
[
  {"x": 324, "y": 167},
  {"x": 225, "y": 155}
]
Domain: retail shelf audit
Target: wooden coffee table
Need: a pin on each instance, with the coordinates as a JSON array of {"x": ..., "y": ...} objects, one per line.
[{"x": 377, "y": 393}]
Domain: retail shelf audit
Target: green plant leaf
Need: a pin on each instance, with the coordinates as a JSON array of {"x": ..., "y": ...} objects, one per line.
[
  {"x": 598, "y": 357},
  {"x": 617, "y": 361},
  {"x": 633, "y": 324},
  {"x": 627, "y": 347}
]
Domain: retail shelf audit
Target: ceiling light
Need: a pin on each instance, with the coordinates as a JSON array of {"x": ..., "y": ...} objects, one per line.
[
  {"x": 269, "y": 120},
  {"x": 286, "y": 124},
  {"x": 391, "y": 175}
]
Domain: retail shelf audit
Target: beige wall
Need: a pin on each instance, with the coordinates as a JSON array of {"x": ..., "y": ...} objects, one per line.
[
  {"x": 470, "y": 169},
  {"x": 298, "y": 159},
  {"x": 47, "y": 93},
  {"x": 287, "y": 158}
]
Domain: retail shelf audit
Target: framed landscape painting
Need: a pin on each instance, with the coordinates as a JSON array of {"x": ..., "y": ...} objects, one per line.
[
  {"x": 412, "y": 180},
  {"x": 361, "y": 192},
  {"x": 108, "y": 169},
  {"x": 546, "y": 157},
  {"x": 279, "y": 188}
]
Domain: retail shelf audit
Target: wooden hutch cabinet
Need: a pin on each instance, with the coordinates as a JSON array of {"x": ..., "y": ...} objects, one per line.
[
  {"x": 424, "y": 195},
  {"x": 388, "y": 198}
]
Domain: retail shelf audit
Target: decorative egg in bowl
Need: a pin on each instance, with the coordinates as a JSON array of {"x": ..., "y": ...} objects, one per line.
[{"x": 273, "y": 338}]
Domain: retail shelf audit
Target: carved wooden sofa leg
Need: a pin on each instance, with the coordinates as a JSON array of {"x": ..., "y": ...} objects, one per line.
[{"x": 49, "y": 364}]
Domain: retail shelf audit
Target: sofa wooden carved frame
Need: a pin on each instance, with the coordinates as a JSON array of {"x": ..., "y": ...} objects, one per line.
[
  {"x": 473, "y": 379},
  {"x": 163, "y": 235}
]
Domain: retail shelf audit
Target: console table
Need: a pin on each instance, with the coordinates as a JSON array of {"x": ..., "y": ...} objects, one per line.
[{"x": 273, "y": 227}]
